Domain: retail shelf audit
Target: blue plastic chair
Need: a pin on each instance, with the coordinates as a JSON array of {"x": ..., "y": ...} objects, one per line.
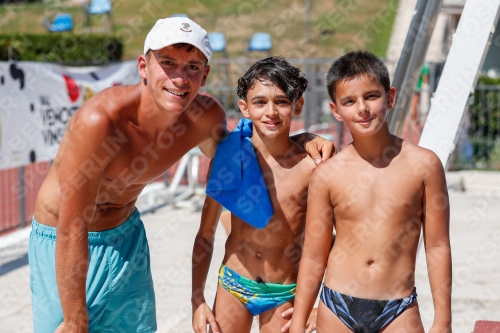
[
  {"x": 99, "y": 7},
  {"x": 261, "y": 41},
  {"x": 62, "y": 22},
  {"x": 217, "y": 41}
]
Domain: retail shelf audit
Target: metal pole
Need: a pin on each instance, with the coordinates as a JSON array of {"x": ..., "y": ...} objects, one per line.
[
  {"x": 412, "y": 58},
  {"x": 409, "y": 45},
  {"x": 22, "y": 212},
  {"x": 308, "y": 21},
  {"x": 340, "y": 130},
  {"x": 308, "y": 100}
]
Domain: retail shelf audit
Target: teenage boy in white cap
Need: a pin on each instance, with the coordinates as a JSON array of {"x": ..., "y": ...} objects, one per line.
[{"x": 96, "y": 277}]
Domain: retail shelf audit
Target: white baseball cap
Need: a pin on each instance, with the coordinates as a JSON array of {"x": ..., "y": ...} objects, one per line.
[{"x": 173, "y": 30}]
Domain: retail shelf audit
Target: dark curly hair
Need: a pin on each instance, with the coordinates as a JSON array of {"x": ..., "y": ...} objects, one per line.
[
  {"x": 354, "y": 64},
  {"x": 277, "y": 70}
]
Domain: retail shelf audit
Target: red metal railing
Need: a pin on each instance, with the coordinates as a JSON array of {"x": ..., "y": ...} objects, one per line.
[{"x": 18, "y": 190}]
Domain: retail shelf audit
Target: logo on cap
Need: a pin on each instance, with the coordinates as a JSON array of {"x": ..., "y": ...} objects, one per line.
[{"x": 185, "y": 27}]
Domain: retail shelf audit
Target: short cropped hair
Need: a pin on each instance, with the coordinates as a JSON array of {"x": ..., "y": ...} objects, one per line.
[
  {"x": 277, "y": 70},
  {"x": 355, "y": 64}
]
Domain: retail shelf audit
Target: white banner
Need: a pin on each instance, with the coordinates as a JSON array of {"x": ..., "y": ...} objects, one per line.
[{"x": 38, "y": 99}]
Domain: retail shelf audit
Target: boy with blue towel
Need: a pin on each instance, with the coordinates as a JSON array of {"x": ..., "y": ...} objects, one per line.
[{"x": 261, "y": 176}]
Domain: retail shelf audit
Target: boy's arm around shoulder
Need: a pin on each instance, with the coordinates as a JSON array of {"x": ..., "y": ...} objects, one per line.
[
  {"x": 436, "y": 218},
  {"x": 210, "y": 119},
  {"x": 79, "y": 183},
  {"x": 316, "y": 247},
  {"x": 202, "y": 256},
  {"x": 317, "y": 147}
]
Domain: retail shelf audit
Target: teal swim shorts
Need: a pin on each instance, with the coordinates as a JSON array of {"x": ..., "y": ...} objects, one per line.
[
  {"x": 258, "y": 297},
  {"x": 120, "y": 295}
]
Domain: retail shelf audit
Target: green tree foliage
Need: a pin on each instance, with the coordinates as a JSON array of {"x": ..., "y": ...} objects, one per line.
[
  {"x": 67, "y": 48},
  {"x": 485, "y": 119}
]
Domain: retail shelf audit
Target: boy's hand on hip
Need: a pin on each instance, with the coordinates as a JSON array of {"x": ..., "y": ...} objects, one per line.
[
  {"x": 311, "y": 321},
  {"x": 202, "y": 316},
  {"x": 285, "y": 314}
]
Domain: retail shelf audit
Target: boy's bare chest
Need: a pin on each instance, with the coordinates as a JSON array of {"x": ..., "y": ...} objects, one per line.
[
  {"x": 288, "y": 190},
  {"x": 141, "y": 161},
  {"x": 360, "y": 193}
]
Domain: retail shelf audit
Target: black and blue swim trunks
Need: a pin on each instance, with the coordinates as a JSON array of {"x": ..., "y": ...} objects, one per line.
[{"x": 364, "y": 315}]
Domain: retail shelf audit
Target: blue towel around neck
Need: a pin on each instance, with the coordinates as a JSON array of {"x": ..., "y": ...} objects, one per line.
[{"x": 236, "y": 181}]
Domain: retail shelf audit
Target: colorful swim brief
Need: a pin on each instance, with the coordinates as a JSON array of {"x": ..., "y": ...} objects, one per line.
[{"x": 258, "y": 297}]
